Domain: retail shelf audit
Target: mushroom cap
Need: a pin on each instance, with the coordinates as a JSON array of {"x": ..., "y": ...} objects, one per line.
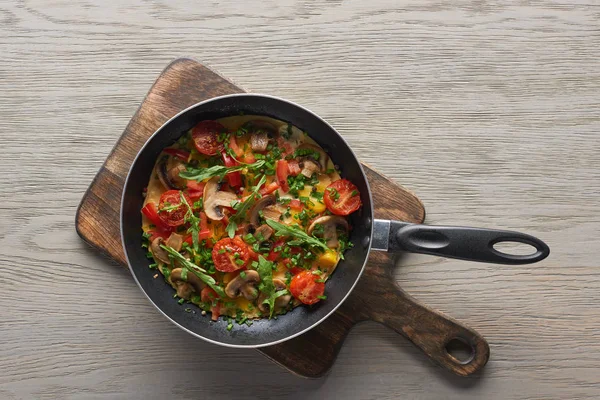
[
  {"x": 191, "y": 280},
  {"x": 323, "y": 157},
  {"x": 214, "y": 199},
  {"x": 263, "y": 233},
  {"x": 168, "y": 170},
  {"x": 175, "y": 241},
  {"x": 280, "y": 302},
  {"x": 330, "y": 223},
  {"x": 243, "y": 286},
  {"x": 265, "y": 201}
]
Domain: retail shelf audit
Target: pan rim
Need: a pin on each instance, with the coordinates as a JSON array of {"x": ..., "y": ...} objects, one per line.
[{"x": 289, "y": 337}]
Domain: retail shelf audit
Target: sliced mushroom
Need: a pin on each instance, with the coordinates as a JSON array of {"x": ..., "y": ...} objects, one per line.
[
  {"x": 331, "y": 224},
  {"x": 263, "y": 233},
  {"x": 260, "y": 205},
  {"x": 259, "y": 141},
  {"x": 309, "y": 167},
  {"x": 243, "y": 285},
  {"x": 308, "y": 164},
  {"x": 214, "y": 199},
  {"x": 175, "y": 241},
  {"x": 185, "y": 288},
  {"x": 280, "y": 302},
  {"x": 261, "y": 132},
  {"x": 168, "y": 170}
]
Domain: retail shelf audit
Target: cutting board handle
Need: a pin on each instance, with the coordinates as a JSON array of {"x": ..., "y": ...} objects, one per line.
[{"x": 436, "y": 334}]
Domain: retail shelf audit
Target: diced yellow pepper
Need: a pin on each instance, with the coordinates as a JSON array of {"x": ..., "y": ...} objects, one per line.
[
  {"x": 316, "y": 206},
  {"x": 305, "y": 192},
  {"x": 328, "y": 260}
]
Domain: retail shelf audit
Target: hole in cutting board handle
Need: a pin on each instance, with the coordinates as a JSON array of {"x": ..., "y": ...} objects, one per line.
[{"x": 460, "y": 350}]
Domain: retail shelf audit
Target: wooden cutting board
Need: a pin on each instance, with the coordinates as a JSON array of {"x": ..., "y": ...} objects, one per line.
[{"x": 376, "y": 297}]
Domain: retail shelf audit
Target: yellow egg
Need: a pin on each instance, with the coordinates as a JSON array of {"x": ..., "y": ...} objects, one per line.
[{"x": 243, "y": 303}]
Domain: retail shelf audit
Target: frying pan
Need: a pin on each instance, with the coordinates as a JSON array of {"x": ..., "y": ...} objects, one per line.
[{"x": 368, "y": 233}]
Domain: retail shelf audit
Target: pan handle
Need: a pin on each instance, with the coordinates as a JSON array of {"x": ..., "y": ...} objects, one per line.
[{"x": 473, "y": 244}]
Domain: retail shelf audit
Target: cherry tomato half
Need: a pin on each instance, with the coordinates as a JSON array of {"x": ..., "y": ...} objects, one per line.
[
  {"x": 230, "y": 254},
  {"x": 305, "y": 287},
  {"x": 342, "y": 197},
  {"x": 205, "y": 136},
  {"x": 151, "y": 212},
  {"x": 170, "y": 208}
]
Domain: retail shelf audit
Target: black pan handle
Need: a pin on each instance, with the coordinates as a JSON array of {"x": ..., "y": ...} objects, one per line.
[{"x": 473, "y": 244}]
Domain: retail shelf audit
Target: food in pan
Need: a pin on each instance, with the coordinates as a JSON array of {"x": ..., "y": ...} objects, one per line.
[{"x": 246, "y": 217}]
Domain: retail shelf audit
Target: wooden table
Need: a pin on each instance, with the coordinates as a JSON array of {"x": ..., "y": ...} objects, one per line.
[{"x": 489, "y": 111}]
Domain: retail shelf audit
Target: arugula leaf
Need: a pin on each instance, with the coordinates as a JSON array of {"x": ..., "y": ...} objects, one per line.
[
  {"x": 242, "y": 208},
  {"x": 266, "y": 286},
  {"x": 296, "y": 232},
  {"x": 194, "y": 223},
  {"x": 200, "y": 174},
  {"x": 196, "y": 270}
]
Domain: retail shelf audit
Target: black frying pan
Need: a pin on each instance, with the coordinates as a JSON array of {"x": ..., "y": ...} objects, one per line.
[{"x": 368, "y": 233}]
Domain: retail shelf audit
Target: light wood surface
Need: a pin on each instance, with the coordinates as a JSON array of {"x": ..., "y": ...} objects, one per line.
[{"x": 489, "y": 111}]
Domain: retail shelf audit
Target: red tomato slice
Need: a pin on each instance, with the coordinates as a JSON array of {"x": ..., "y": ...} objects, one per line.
[
  {"x": 195, "y": 186},
  {"x": 234, "y": 178},
  {"x": 151, "y": 212},
  {"x": 304, "y": 287},
  {"x": 274, "y": 255},
  {"x": 342, "y": 197},
  {"x": 173, "y": 216},
  {"x": 205, "y": 136},
  {"x": 224, "y": 254},
  {"x": 195, "y": 189},
  {"x": 270, "y": 188},
  {"x": 282, "y": 174},
  {"x": 296, "y": 205},
  {"x": 296, "y": 270},
  {"x": 181, "y": 154},
  {"x": 234, "y": 146},
  {"x": 285, "y": 146},
  {"x": 157, "y": 234},
  {"x": 294, "y": 167},
  {"x": 205, "y": 233}
]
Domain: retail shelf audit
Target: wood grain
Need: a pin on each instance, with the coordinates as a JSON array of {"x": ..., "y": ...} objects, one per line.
[{"x": 489, "y": 111}]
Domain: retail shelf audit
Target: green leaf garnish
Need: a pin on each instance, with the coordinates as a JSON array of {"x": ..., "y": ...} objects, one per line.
[
  {"x": 243, "y": 207},
  {"x": 266, "y": 286},
  {"x": 196, "y": 270},
  {"x": 296, "y": 232},
  {"x": 194, "y": 221},
  {"x": 201, "y": 174}
]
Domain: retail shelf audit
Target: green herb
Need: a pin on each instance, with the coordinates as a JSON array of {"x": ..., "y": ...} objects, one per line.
[
  {"x": 306, "y": 201},
  {"x": 317, "y": 195},
  {"x": 200, "y": 174},
  {"x": 243, "y": 275},
  {"x": 330, "y": 171},
  {"x": 335, "y": 196},
  {"x": 249, "y": 238},
  {"x": 188, "y": 309},
  {"x": 322, "y": 297},
  {"x": 149, "y": 254},
  {"x": 295, "y": 232},
  {"x": 181, "y": 301},
  {"x": 194, "y": 221},
  {"x": 153, "y": 266},
  {"x": 168, "y": 207},
  {"x": 314, "y": 154},
  {"x": 288, "y": 132},
  {"x": 354, "y": 193},
  {"x": 145, "y": 240},
  {"x": 199, "y": 204},
  {"x": 242, "y": 208},
  {"x": 266, "y": 286},
  {"x": 196, "y": 270}
]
